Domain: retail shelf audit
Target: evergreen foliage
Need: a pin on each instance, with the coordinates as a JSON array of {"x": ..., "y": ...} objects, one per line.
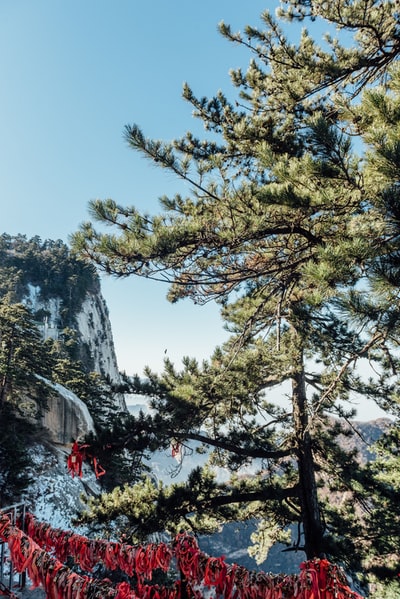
[
  {"x": 296, "y": 236},
  {"x": 383, "y": 522},
  {"x": 15, "y": 462},
  {"x": 22, "y": 355},
  {"x": 49, "y": 265}
]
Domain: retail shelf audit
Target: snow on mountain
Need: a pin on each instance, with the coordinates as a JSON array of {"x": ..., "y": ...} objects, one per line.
[
  {"x": 49, "y": 328},
  {"x": 92, "y": 324},
  {"x": 54, "y": 495},
  {"x": 86, "y": 419},
  {"x": 95, "y": 330}
]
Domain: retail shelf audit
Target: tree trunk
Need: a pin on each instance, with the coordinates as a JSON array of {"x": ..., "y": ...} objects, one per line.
[{"x": 312, "y": 525}]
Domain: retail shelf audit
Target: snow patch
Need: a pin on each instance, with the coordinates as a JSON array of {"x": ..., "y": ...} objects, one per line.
[
  {"x": 54, "y": 496},
  {"x": 49, "y": 326}
]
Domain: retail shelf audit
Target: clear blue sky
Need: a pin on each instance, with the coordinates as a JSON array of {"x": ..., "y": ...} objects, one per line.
[{"x": 73, "y": 74}]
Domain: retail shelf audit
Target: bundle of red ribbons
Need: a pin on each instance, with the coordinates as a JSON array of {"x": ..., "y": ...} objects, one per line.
[
  {"x": 42, "y": 550},
  {"x": 75, "y": 460}
]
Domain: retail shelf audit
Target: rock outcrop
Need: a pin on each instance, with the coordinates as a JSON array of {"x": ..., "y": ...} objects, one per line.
[
  {"x": 67, "y": 417},
  {"x": 95, "y": 332}
]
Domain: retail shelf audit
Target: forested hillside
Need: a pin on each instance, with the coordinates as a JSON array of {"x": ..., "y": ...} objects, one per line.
[
  {"x": 50, "y": 374},
  {"x": 47, "y": 264}
]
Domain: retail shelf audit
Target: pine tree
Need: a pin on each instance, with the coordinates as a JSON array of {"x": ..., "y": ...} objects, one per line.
[
  {"x": 15, "y": 461},
  {"x": 22, "y": 354},
  {"x": 284, "y": 227}
]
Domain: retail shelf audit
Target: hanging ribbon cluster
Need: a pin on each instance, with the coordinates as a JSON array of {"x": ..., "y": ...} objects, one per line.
[
  {"x": 89, "y": 552},
  {"x": 318, "y": 579},
  {"x": 58, "y": 581},
  {"x": 75, "y": 460}
]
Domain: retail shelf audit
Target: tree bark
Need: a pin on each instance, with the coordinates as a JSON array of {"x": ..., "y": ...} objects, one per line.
[{"x": 311, "y": 516}]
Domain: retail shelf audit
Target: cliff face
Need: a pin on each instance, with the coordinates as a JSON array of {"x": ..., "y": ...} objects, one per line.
[
  {"x": 95, "y": 332},
  {"x": 67, "y": 417},
  {"x": 63, "y": 296},
  {"x": 92, "y": 324}
]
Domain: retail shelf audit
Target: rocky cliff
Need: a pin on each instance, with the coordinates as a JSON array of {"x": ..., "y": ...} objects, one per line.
[
  {"x": 63, "y": 296},
  {"x": 67, "y": 417},
  {"x": 90, "y": 321}
]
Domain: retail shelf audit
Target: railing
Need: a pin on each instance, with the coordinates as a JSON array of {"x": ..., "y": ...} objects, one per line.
[{"x": 7, "y": 573}]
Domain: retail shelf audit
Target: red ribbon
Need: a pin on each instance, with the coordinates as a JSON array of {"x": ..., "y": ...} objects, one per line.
[{"x": 318, "y": 579}]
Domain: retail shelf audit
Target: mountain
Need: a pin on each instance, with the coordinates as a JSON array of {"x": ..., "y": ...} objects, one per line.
[
  {"x": 63, "y": 297},
  {"x": 90, "y": 320},
  {"x": 57, "y": 358}
]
